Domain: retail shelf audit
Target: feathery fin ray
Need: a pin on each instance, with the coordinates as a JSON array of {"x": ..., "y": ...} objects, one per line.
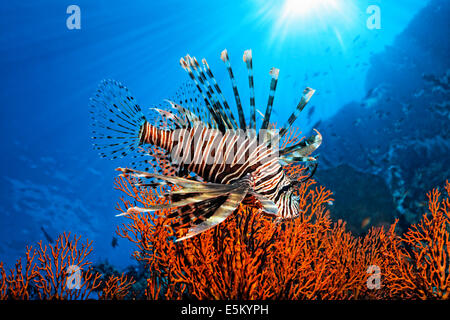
[
  {"x": 307, "y": 94},
  {"x": 116, "y": 120},
  {"x": 274, "y": 72},
  {"x": 194, "y": 192},
  {"x": 226, "y": 60},
  {"x": 248, "y": 59}
]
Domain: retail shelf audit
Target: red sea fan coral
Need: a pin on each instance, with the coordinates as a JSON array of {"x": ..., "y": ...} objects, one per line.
[
  {"x": 52, "y": 272},
  {"x": 116, "y": 288},
  {"x": 420, "y": 260},
  {"x": 17, "y": 285},
  {"x": 252, "y": 256},
  {"x": 57, "y": 263}
]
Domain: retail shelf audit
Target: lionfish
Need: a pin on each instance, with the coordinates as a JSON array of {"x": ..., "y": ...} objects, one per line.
[{"x": 215, "y": 159}]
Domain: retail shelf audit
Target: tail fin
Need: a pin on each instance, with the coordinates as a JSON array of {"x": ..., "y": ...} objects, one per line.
[{"x": 117, "y": 120}]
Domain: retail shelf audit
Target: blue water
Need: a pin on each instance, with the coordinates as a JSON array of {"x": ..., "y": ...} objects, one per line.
[{"x": 51, "y": 177}]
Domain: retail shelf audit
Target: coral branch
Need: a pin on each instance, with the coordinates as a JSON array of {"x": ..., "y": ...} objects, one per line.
[
  {"x": 420, "y": 266},
  {"x": 116, "y": 288}
]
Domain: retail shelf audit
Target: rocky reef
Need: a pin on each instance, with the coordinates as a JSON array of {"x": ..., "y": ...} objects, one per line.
[
  {"x": 361, "y": 209},
  {"x": 400, "y": 130}
]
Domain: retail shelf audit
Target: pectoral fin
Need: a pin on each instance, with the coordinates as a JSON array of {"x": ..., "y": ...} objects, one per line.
[
  {"x": 223, "y": 211},
  {"x": 268, "y": 206},
  {"x": 203, "y": 205}
]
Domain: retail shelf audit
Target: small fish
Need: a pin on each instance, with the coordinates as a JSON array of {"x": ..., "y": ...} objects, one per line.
[
  {"x": 260, "y": 113},
  {"x": 406, "y": 108},
  {"x": 405, "y": 194},
  {"x": 371, "y": 161},
  {"x": 421, "y": 204},
  {"x": 46, "y": 235},
  {"x": 419, "y": 93},
  {"x": 369, "y": 93},
  {"x": 311, "y": 112},
  {"x": 317, "y": 124},
  {"x": 365, "y": 222},
  {"x": 114, "y": 242}
]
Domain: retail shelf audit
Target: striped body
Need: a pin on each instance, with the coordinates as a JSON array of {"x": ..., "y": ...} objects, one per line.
[{"x": 225, "y": 158}]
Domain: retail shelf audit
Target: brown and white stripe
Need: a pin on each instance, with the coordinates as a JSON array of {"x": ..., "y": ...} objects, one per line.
[{"x": 224, "y": 158}]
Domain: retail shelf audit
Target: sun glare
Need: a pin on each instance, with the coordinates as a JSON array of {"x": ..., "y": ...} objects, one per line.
[
  {"x": 298, "y": 8},
  {"x": 291, "y": 18}
]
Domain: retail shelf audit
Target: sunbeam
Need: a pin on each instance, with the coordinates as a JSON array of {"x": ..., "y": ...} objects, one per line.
[{"x": 297, "y": 17}]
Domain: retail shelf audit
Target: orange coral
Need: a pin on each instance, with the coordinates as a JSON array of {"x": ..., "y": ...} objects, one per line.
[
  {"x": 249, "y": 256},
  {"x": 252, "y": 256},
  {"x": 50, "y": 270},
  {"x": 3, "y": 284},
  {"x": 292, "y": 137},
  {"x": 54, "y": 269},
  {"x": 419, "y": 261},
  {"x": 18, "y": 284},
  {"x": 116, "y": 288}
]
